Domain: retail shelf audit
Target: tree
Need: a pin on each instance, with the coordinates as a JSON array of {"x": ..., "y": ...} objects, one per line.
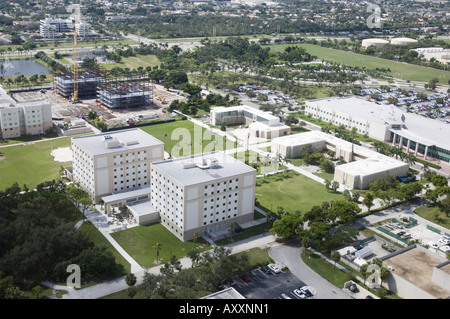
[
  {"x": 287, "y": 225},
  {"x": 334, "y": 186},
  {"x": 130, "y": 279},
  {"x": 368, "y": 200},
  {"x": 335, "y": 256},
  {"x": 37, "y": 291},
  {"x": 158, "y": 248}
]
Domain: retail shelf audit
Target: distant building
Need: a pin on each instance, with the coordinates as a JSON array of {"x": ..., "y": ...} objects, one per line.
[
  {"x": 261, "y": 124},
  {"x": 115, "y": 161},
  {"x": 359, "y": 171},
  {"x": 17, "y": 119},
  {"x": 51, "y": 28},
  {"x": 386, "y": 123}
]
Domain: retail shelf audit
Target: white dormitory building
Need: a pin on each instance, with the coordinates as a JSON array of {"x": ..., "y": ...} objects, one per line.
[
  {"x": 24, "y": 118},
  {"x": 416, "y": 134},
  {"x": 203, "y": 193},
  {"x": 360, "y": 170},
  {"x": 261, "y": 124},
  {"x": 114, "y": 162}
]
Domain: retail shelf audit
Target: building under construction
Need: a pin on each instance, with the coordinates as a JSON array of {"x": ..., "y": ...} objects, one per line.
[
  {"x": 125, "y": 89},
  {"x": 118, "y": 89},
  {"x": 88, "y": 83}
]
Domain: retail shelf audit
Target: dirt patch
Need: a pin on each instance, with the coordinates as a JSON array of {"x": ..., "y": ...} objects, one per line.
[{"x": 62, "y": 154}]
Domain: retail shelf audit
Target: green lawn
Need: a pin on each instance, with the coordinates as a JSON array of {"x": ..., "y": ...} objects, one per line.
[
  {"x": 139, "y": 243},
  {"x": 427, "y": 213},
  {"x": 30, "y": 164},
  {"x": 181, "y": 138},
  {"x": 398, "y": 69},
  {"x": 135, "y": 62},
  {"x": 292, "y": 191}
]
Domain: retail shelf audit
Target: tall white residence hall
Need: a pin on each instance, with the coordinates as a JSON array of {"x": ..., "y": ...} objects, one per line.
[
  {"x": 114, "y": 161},
  {"x": 202, "y": 193},
  {"x": 16, "y": 119}
]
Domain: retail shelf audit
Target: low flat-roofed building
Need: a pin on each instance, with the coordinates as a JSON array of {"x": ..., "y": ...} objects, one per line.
[
  {"x": 114, "y": 161},
  {"x": 418, "y": 273},
  {"x": 363, "y": 165},
  {"x": 261, "y": 124},
  {"x": 387, "y": 123},
  {"x": 204, "y": 193},
  {"x": 227, "y": 293}
]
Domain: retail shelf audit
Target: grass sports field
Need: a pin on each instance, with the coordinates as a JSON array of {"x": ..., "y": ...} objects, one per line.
[
  {"x": 30, "y": 164},
  {"x": 180, "y": 138},
  {"x": 398, "y": 69},
  {"x": 292, "y": 191},
  {"x": 133, "y": 62}
]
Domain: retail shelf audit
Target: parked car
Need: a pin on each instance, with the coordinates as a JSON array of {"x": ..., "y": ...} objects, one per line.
[
  {"x": 285, "y": 296},
  {"x": 299, "y": 294},
  {"x": 266, "y": 269},
  {"x": 401, "y": 233},
  {"x": 274, "y": 268},
  {"x": 306, "y": 291},
  {"x": 245, "y": 277},
  {"x": 433, "y": 245},
  {"x": 444, "y": 241}
]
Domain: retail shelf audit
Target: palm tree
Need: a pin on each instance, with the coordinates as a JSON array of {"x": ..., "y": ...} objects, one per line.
[{"x": 158, "y": 247}]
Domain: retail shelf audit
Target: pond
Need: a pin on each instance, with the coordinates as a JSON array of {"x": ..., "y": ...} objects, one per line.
[{"x": 25, "y": 67}]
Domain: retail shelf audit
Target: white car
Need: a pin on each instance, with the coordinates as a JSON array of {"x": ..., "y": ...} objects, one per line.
[
  {"x": 274, "y": 268},
  {"x": 433, "y": 245},
  {"x": 444, "y": 241},
  {"x": 445, "y": 248},
  {"x": 299, "y": 294}
]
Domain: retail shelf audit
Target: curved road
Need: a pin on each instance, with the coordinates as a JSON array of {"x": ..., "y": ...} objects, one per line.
[{"x": 288, "y": 254}]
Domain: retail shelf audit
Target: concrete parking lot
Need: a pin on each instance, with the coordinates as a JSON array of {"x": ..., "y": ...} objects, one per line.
[{"x": 264, "y": 286}]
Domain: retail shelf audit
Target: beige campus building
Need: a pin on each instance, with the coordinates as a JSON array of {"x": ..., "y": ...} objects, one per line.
[
  {"x": 363, "y": 165},
  {"x": 24, "y": 118},
  {"x": 114, "y": 162},
  {"x": 204, "y": 193}
]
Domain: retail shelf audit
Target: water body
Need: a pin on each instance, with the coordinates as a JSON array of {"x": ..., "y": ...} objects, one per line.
[{"x": 25, "y": 67}]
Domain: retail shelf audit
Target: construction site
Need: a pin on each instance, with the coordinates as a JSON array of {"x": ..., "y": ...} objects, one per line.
[{"x": 120, "y": 97}]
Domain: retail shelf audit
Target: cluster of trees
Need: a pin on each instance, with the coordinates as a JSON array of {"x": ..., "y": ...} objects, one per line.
[
  {"x": 97, "y": 120},
  {"x": 441, "y": 188},
  {"x": 195, "y": 102},
  {"x": 312, "y": 157},
  {"x": 209, "y": 270},
  {"x": 22, "y": 80},
  {"x": 52, "y": 64},
  {"x": 389, "y": 188},
  {"x": 393, "y": 151},
  {"x": 38, "y": 239},
  {"x": 293, "y": 54},
  {"x": 313, "y": 227}
]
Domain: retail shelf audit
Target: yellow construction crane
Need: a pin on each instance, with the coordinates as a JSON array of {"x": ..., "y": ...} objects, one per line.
[{"x": 77, "y": 19}]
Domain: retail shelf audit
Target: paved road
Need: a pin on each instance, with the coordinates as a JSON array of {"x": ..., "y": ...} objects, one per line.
[{"x": 289, "y": 255}]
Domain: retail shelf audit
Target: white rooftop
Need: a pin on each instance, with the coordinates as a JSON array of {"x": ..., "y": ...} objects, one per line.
[
  {"x": 412, "y": 126},
  {"x": 113, "y": 142},
  {"x": 370, "y": 166},
  {"x": 193, "y": 170}
]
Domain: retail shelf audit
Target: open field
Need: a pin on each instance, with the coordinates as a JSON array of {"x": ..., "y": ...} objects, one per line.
[
  {"x": 139, "y": 242},
  {"x": 30, "y": 164},
  {"x": 133, "y": 62},
  {"x": 292, "y": 191},
  {"x": 427, "y": 212},
  {"x": 180, "y": 137},
  {"x": 398, "y": 69}
]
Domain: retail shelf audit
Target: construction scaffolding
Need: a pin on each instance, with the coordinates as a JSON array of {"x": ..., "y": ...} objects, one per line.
[
  {"x": 87, "y": 81},
  {"x": 125, "y": 89}
]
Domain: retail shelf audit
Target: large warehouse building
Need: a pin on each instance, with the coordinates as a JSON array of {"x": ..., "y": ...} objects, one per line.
[
  {"x": 422, "y": 136},
  {"x": 367, "y": 165}
]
